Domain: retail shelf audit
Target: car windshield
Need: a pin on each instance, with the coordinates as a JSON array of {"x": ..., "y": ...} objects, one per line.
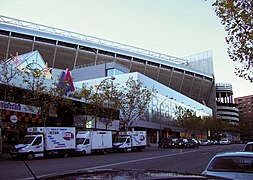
[
  {"x": 27, "y": 140},
  {"x": 232, "y": 164},
  {"x": 174, "y": 139},
  {"x": 80, "y": 140},
  {"x": 170, "y": 140},
  {"x": 120, "y": 140}
]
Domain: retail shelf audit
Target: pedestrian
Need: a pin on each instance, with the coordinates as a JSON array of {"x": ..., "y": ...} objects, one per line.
[{"x": 160, "y": 143}]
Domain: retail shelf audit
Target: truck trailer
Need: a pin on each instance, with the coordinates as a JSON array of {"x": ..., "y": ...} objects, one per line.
[
  {"x": 88, "y": 142},
  {"x": 130, "y": 141},
  {"x": 41, "y": 141}
]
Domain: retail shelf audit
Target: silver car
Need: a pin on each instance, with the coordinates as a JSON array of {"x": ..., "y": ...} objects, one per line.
[
  {"x": 225, "y": 141},
  {"x": 231, "y": 165}
]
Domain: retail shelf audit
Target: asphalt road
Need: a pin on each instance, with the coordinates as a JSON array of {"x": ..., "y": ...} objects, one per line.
[{"x": 176, "y": 160}]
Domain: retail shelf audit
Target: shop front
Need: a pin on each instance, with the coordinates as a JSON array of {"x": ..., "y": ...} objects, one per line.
[{"x": 15, "y": 123}]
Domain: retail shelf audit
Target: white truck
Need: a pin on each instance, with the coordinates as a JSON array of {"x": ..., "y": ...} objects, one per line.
[
  {"x": 88, "y": 142},
  {"x": 130, "y": 141},
  {"x": 41, "y": 141}
]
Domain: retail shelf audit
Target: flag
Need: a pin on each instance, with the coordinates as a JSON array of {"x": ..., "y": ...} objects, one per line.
[{"x": 69, "y": 80}]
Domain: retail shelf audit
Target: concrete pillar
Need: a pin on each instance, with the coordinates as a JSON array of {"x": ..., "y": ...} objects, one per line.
[{"x": 157, "y": 136}]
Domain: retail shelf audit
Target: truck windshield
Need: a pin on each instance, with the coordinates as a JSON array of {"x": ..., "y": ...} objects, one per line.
[
  {"x": 120, "y": 140},
  {"x": 27, "y": 140},
  {"x": 80, "y": 140}
]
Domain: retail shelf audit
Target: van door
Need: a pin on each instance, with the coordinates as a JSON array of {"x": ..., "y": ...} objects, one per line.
[
  {"x": 38, "y": 146},
  {"x": 128, "y": 143},
  {"x": 87, "y": 145}
]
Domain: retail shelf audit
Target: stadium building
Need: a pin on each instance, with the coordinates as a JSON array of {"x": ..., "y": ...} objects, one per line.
[{"x": 187, "y": 81}]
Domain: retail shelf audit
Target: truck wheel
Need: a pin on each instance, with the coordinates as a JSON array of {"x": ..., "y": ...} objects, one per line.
[
  {"x": 104, "y": 152},
  {"x": 65, "y": 154},
  {"x": 125, "y": 150},
  {"x": 141, "y": 149},
  {"x": 83, "y": 153},
  {"x": 30, "y": 156}
]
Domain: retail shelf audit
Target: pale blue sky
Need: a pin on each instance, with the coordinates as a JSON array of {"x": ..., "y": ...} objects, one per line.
[{"x": 174, "y": 27}]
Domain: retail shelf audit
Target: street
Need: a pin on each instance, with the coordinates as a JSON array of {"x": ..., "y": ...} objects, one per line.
[{"x": 176, "y": 160}]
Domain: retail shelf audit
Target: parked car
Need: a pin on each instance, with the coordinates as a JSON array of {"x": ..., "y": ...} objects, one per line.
[
  {"x": 205, "y": 142},
  {"x": 180, "y": 142},
  {"x": 169, "y": 143},
  {"x": 225, "y": 141},
  {"x": 248, "y": 147},
  {"x": 214, "y": 142},
  {"x": 231, "y": 165},
  {"x": 191, "y": 143}
]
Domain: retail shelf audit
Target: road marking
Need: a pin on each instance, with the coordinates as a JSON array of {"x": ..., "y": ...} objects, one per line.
[
  {"x": 143, "y": 159},
  {"x": 119, "y": 163}
]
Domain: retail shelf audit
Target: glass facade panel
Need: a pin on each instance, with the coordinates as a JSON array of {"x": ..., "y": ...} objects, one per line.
[
  {"x": 113, "y": 72},
  {"x": 163, "y": 104}
]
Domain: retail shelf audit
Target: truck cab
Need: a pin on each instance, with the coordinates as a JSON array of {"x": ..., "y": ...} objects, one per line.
[
  {"x": 130, "y": 140},
  {"x": 83, "y": 144},
  {"x": 41, "y": 141},
  {"x": 123, "y": 142},
  {"x": 31, "y": 146},
  {"x": 93, "y": 141}
]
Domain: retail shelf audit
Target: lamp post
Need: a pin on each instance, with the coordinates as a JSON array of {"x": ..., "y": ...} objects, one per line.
[
  {"x": 160, "y": 113},
  {"x": 96, "y": 93}
]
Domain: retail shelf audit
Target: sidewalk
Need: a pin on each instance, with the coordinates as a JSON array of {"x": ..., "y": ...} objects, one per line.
[
  {"x": 5, "y": 156},
  {"x": 152, "y": 145},
  {"x": 6, "y": 152}
]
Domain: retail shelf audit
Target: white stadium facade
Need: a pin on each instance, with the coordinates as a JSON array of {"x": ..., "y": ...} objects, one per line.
[{"x": 188, "y": 81}]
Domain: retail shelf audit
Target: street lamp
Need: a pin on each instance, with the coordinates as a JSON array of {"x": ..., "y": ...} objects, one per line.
[
  {"x": 160, "y": 113},
  {"x": 96, "y": 93}
]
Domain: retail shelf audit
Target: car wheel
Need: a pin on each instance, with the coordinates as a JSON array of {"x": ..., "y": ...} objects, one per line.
[
  {"x": 30, "y": 156},
  {"x": 83, "y": 153},
  {"x": 104, "y": 152},
  {"x": 65, "y": 154}
]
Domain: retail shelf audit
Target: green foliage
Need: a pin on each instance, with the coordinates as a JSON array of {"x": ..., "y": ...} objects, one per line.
[
  {"x": 188, "y": 120},
  {"x": 237, "y": 17},
  {"x": 8, "y": 73},
  {"x": 218, "y": 126},
  {"x": 106, "y": 101},
  {"x": 110, "y": 101},
  {"x": 44, "y": 100}
]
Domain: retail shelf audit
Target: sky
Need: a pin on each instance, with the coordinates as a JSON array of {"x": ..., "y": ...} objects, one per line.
[{"x": 177, "y": 28}]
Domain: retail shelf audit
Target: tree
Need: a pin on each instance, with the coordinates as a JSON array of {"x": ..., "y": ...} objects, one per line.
[
  {"x": 105, "y": 100},
  {"x": 100, "y": 99},
  {"x": 218, "y": 127},
  {"x": 188, "y": 120},
  {"x": 111, "y": 101},
  {"x": 237, "y": 17},
  {"x": 45, "y": 97},
  {"x": 134, "y": 101},
  {"x": 84, "y": 109},
  {"x": 8, "y": 72}
]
